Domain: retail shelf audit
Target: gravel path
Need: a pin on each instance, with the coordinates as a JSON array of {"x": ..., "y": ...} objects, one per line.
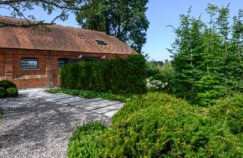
[{"x": 37, "y": 128}]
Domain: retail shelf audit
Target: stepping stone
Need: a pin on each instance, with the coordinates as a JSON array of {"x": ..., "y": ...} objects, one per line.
[
  {"x": 95, "y": 103},
  {"x": 58, "y": 98},
  {"x": 98, "y": 105},
  {"x": 110, "y": 113},
  {"x": 102, "y": 105},
  {"x": 85, "y": 102},
  {"x": 109, "y": 108},
  {"x": 68, "y": 100}
]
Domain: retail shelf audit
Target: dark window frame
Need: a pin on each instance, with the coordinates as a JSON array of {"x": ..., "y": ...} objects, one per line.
[
  {"x": 27, "y": 65},
  {"x": 64, "y": 60}
]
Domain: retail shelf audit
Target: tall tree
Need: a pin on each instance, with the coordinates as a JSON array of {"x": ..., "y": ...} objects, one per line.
[
  {"x": 207, "y": 57},
  {"x": 235, "y": 56},
  {"x": 125, "y": 19},
  {"x": 187, "y": 55},
  {"x": 19, "y": 7}
]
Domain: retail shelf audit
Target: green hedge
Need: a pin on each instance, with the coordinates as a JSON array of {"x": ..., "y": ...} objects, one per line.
[
  {"x": 120, "y": 76},
  {"x": 8, "y": 89},
  {"x": 158, "y": 125}
]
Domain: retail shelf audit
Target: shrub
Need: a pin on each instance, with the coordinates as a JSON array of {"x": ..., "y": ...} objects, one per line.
[
  {"x": 230, "y": 110},
  {"x": 155, "y": 85},
  {"x": 8, "y": 89},
  {"x": 7, "y": 84},
  {"x": 154, "y": 69},
  {"x": 12, "y": 92},
  {"x": 83, "y": 141},
  {"x": 158, "y": 125},
  {"x": 119, "y": 76},
  {"x": 160, "y": 77},
  {"x": 3, "y": 92}
]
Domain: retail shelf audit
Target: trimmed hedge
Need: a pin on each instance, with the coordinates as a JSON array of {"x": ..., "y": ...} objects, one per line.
[
  {"x": 119, "y": 76},
  {"x": 8, "y": 89},
  {"x": 157, "y": 125}
]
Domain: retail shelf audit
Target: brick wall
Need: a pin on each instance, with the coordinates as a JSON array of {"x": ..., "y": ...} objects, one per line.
[{"x": 47, "y": 73}]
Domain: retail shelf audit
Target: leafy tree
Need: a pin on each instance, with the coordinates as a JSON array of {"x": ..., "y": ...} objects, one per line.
[
  {"x": 235, "y": 62},
  {"x": 19, "y": 8},
  {"x": 207, "y": 57},
  {"x": 123, "y": 18},
  {"x": 186, "y": 59}
]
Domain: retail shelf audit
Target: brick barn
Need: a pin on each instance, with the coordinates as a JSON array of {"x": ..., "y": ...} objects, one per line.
[{"x": 32, "y": 57}]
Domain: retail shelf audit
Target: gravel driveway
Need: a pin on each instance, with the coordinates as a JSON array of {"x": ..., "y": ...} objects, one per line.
[{"x": 37, "y": 128}]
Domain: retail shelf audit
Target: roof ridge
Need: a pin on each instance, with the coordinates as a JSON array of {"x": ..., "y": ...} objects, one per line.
[{"x": 16, "y": 20}]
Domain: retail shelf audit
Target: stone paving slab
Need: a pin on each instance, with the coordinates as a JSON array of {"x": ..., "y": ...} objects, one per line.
[
  {"x": 102, "y": 105},
  {"x": 86, "y": 102},
  {"x": 68, "y": 100},
  {"x": 109, "y": 108},
  {"x": 59, "y": 99},
  {"x": 96, "y": 105},
  {"x": 110, "y": 113}
]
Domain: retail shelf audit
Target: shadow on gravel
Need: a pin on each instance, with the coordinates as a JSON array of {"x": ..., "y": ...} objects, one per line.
[{"x": 34, "y": 121}]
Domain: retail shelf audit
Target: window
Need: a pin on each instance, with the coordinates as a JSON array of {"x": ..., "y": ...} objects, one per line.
[
  {"x": 101, "y": 42},
  {"x": 61, "y": 62},
  {"x": 29, "y": 64}
]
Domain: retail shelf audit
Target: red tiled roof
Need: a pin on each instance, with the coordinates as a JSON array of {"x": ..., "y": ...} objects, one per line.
[{"x": 59, "y": 38}]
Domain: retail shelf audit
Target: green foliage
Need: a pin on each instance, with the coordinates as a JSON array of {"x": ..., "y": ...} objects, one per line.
[
  {"x": 7, "y": 84},
  {"x": 160, "y": 77},
  {"x": 92, "y": 94},
  {"x": 119, "y": 76},
  {"x": 207, "y": 57},
  {"x": 209, "y": 90},
  {"x": 12, "y": 92},
  {"x": 154, "y": 69},
  {"x": 83, "y": 142},
  {"x": 8, "y": 89},
  {"x": 230, "y": 110},
  {"x": 3, "y": 92},
  {"x": 159, "y": 125},
  {"x": 23, "y": 9},
  {"x": 122, "y": 18}
]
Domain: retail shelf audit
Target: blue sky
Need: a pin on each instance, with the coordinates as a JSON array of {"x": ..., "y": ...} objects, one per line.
[{"x": 160, "y": 14}]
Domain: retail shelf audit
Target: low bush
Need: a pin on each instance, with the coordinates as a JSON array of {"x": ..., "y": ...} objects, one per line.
[
  {"x": 159, "y": 125},
  {"x": 83, "y": 142},
  {"x": 3, "y": 92},
  {"x": 12, "y": 92},
  {"x": 230, "y": 110},
  {"x": 160, "y": 77},
  {"x": 8, "y": 89},
  {"x": 162, "y": 126},
  {"x": 7, "y": 84},
  {"x": 119, "y": 76}
]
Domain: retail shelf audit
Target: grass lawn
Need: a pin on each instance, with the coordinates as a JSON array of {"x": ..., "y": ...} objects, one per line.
[{"x": 93, "y": 94}]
